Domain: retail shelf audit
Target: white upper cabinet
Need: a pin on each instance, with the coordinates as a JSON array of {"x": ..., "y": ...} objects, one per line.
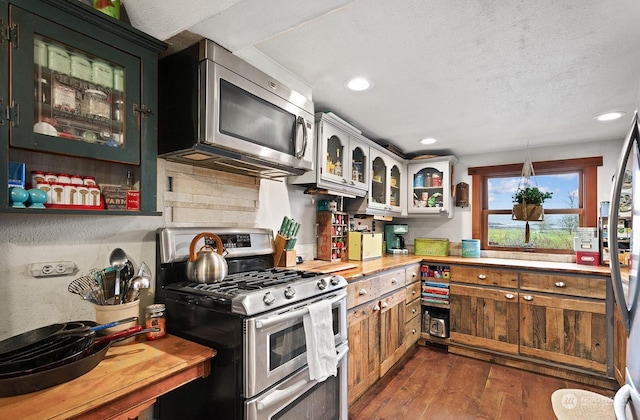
[
  {"x": 342, "y": 160},
  {"x": 430, "y": 186},
  {"x": 386, "y": 194}
]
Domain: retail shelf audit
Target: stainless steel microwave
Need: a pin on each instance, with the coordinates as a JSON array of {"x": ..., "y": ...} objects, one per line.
[{"x": 220, "y": 112}]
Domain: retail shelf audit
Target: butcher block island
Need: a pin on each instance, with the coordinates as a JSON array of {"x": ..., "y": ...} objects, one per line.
[{"x": 128, "y": 380}]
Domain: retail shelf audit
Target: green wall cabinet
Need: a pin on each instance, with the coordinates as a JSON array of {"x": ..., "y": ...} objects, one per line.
[{"x": 78, "y": 95}]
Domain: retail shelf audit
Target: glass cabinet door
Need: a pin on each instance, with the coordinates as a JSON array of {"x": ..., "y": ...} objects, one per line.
[
  {"x": 334, "y": 142},
  {"x": 378, "y": 190},
  {"x": 72, "y": 94},
  {"x": 394, "y": 187},
  {"x": 359, "y": 163}
]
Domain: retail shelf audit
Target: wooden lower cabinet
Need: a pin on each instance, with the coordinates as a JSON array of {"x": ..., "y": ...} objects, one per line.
[
  {"x": 485, "y": 318},
  {"x": 392, "y": 330},
  {"x": 551, "y": 322},
  {"x": 363, "y": 326},
  {"x": 564, "y": 330},
  {"x": 381, "y": 320}
]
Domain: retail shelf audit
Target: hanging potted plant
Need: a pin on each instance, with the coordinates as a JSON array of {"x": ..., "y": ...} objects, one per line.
[{"x": 528, "y": 203}]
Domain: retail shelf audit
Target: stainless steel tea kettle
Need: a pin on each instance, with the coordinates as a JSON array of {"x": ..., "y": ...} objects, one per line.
[{"x": 208, "y": 264}]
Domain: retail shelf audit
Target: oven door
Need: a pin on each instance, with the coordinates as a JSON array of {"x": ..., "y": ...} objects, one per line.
[
  {"x": 298, "y": 397},
  {"x": 275, "y": 343}
]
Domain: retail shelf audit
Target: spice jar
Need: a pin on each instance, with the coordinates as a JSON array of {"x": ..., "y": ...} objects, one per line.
[{"x": 155, "y": 317}]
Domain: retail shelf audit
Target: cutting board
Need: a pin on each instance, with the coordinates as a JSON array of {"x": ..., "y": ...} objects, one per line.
[{"x": 325, "y": 266}]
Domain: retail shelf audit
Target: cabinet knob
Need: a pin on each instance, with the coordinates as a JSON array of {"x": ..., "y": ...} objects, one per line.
[
  {"x": 413, "y": 331},
  {"x": 385, "y": 305},
  {"x": 560, "y": 284},
  {"x": 413, "y": 292},
  {"x": 362, "y": 292},
  {"x": 510, "y": 296},
  {"x": 413, "y": 311},
  {"x": 414, "y": 274},
  {"x": 394, "y": 281},
  {"x": 482, "y": 276},
  {"x": 376, "y": 308},
  {"x": 528, "y": 298}
]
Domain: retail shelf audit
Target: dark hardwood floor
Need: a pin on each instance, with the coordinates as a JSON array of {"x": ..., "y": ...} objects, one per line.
[{"x": 434, "y": 384}]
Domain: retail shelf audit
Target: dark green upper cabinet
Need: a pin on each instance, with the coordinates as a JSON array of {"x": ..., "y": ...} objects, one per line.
[
  {"x": 81, "y": 85},
  {"x": 71, "y": 105}
]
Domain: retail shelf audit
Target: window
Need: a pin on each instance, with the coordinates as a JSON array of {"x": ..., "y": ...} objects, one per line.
[{"x": 573, "y": 183}]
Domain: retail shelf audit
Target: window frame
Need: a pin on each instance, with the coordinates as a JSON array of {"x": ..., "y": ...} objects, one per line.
[{"x": 587, "y": 169}]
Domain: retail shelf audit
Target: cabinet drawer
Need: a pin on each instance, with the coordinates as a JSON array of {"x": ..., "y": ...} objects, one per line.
[
  {"x": 592, "y": 287},
  {"x": 412, "y": 310},
  {"x": 484, "y": 276},
  {"x": 412, "y": 331},
  {"x": 362, "y": 291},
  {"x": 412, "y": 273},
  {"x": 413, "y": 291},
  {"x": 391, "y": 281}
]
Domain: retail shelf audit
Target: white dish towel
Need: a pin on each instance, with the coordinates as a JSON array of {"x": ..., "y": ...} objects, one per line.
[{"x": 321, "y": 350}]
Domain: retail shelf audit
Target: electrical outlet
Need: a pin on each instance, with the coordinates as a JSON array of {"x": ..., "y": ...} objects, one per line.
[{"x": 50, "y": 269}]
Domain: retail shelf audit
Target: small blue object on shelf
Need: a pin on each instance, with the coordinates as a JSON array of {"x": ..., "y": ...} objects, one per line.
[
  {"x": 37, "y": 198},
  {"x": 16, "y": 174},
  {"x": 18, "y": 196}
]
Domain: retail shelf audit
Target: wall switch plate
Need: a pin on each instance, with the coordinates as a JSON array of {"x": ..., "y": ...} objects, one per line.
[{"x": 50, "y": 269}]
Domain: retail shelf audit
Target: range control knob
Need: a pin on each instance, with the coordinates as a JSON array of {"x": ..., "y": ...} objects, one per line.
[
  {"x": 268, "y": 298},
  {"x": 335, "y": 280},
  {"x": 289, "y": 292},
  {"x": 322, "y": 284}
]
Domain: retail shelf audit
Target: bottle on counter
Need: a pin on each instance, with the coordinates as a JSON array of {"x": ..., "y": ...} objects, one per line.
[{"x": 155, "y": 318}]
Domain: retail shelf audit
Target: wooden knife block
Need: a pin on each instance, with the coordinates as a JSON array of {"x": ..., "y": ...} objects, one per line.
[{"x": 282, "y": 257}]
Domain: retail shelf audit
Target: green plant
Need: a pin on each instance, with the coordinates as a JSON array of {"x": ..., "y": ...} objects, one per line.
[{"x": 530, "y": 195}]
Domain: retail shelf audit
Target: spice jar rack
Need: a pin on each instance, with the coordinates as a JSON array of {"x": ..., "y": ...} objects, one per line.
[{"x": 333, "y": 231}]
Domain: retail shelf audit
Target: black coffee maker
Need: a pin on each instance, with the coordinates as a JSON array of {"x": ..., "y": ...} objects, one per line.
[{"x": 395, "y": 240}]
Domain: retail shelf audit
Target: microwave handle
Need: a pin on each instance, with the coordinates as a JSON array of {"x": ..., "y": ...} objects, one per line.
[{"x": 300, "y": 153}]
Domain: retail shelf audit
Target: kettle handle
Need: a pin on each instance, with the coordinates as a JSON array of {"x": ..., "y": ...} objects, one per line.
[{"x": 192, "y": 248}]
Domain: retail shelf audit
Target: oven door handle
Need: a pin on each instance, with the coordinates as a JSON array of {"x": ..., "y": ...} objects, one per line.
[
  {"x": 279, "y": 395},
  {"x": 287, "y": 316}
]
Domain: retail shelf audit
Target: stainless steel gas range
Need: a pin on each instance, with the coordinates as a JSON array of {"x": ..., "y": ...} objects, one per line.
[{"x": 254, "y": 320}]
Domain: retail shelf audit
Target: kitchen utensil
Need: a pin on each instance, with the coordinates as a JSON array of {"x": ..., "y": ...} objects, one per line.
[
  {"x": 37, "y": 380},
  {"x": 88, "y": 288},
  {"x": 133, "y": 289},
  {"x": 118, "y": 260},
  {"x": 122, "y": 335},
  {"x": 208, "y": 264},
  {"x": 59, "y": 348},
  {"x": 35, "y": 337},
  {"x": 114, "y": 323}
]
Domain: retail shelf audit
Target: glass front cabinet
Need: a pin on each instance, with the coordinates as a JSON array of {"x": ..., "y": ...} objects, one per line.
[
  {"x": 385, "y": 192},
  {"x": 80, "y": 90},
  {"x": 345, "y": 156},
  {"x": 430, "y": 186}
]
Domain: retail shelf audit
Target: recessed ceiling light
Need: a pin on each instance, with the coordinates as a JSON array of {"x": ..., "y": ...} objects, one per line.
[
  {"x": 358, "y": 83},
  {"x": 428, "y": 140},
  {"x": 610, "y": 116}
]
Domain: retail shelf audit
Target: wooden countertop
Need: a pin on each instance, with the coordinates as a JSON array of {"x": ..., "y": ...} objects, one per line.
[
  {"x": 359, "y": 269},
  {"x": 126, "y": 381}
]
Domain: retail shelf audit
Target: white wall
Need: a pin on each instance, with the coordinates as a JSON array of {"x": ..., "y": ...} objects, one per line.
[{"x": 27, "y": 302}]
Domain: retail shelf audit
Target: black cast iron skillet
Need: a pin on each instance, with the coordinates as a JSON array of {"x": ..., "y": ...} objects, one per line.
[
  {"x": 54, "y": 349},
  {"x": 27, "y": 340},
  {"x": 32, "y": 380}
]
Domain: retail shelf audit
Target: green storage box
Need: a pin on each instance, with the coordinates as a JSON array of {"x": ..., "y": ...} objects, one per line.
[{"x": 435, "y": 247}]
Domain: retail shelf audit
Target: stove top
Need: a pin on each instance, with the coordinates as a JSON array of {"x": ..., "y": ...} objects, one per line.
[
  {"x": 242, "y": 291},
  {"x": 258, "y": 291}
]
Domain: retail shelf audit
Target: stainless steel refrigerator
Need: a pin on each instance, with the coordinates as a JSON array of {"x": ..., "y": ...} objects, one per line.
[{"x": 625, "y": 199}]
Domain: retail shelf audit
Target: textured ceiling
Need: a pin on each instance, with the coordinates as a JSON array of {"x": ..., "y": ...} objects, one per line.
[{"x": 480, "y": 76}]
